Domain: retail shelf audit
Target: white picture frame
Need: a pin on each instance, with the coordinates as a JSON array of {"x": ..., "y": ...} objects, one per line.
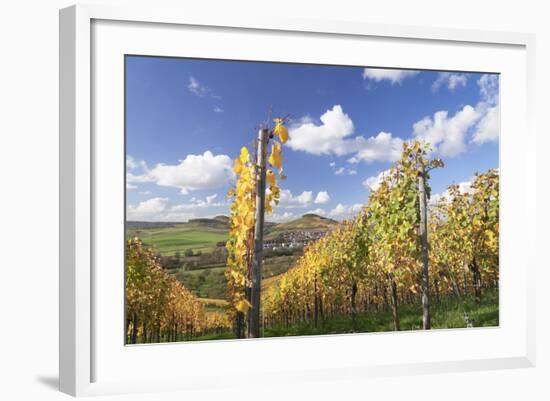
[{"x": 82, "y": 345}]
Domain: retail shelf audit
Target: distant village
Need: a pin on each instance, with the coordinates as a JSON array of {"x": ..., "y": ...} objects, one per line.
[{"x": 294, "y": 239}]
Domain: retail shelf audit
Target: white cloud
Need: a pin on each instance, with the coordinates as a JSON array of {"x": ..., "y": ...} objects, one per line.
[
  {"x": 340, "y": 211},
  {"x": 322, "y": 198},
  {"x": 280, "y": 217},
  {"x": 161, "y": 209},
  {"x": 206, "y": 171},
  {"x": 373, "y": 183},
  {"x": 194, "y": 204},
  {"x": 342, "y": 170},
  {"x": 447, "y": 134},
  {"x": 333, "y": 137},
  {"x": 319, "y": 211},
  {"x": 133, "y": 164},
  {"x": 135, "y": 172},
  {"x": 450, "y": 80},
  {"x": 463, "y": 187},
  {"x": 489, "y": 88},
  {"x": 332, "y": 164},
  {"x": 327, "y": 138},
  {"x": 218, "y": 109},
  {"x": 289, "y": 201},
  {"x": 195, "y": 87},
  {"x": 488, "y": 128},
  {"x": 138, "y": 178},
  {"x": 382, "y": 148},
  {"x": 382, "y": 74},
  {"x": 148, "y": 210}
]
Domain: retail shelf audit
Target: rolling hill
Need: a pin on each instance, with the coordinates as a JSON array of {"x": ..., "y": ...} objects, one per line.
[
  {"x": 308, "y": 222},
  {"x": 205, "y": 234}
]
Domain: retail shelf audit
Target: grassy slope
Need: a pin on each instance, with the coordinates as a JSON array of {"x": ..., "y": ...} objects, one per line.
[
  {"x": 182, "y": 236},
  {"x": 307, "y": 222},
  {"x": 209, "y": 282}
]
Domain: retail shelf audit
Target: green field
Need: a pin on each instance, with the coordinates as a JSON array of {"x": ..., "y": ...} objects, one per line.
[
  {"x": 209, "y": 281},
  {"x": 181, "y": 237}
]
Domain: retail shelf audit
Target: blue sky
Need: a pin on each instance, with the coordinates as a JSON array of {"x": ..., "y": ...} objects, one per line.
[{"x": 187, "y": 119}]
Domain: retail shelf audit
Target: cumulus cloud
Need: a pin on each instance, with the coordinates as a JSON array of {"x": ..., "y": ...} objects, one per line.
[
  {"x": 446, "y": 134},
  {"x": 488, "y": 128},
  {"x": 327, "y": 138},
  {"x": 322, "y": 198},
  {"x": 339, "y": 212},
  {"x": 148, "y": 209},
  {"x": 136, "y": 173},
  {"x": 289, "y": 201},
  {"x": 133, "y": 164},
  {"x": 450, "y": 80},
  {"x": 206, "y": 171},
  {"x": 373, "y": 183},
  {"x": 342, "y": 170},
  {"x": 195, "y": 172},
  {"x": 334, "y": 137},
  {"x": 394, "y": 76},
  {"x": 463, "y": 187},
  {"x": 281, "y": 217},
  {"x": 489, "y": 88},
  {"x": 319, "y": 211},
  {"x": 132, "y": 178},
  {"x": 382, "y": 147},
  {"x": 161, "y": 209},
  {"x": 218, "y": 109}
]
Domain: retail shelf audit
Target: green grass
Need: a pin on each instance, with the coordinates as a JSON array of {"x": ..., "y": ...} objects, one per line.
[
  {"x": 204, "y": 283},
  {"x": 210, "y": 282},
  {"x": 181, "y": 237},
  {"x": 445, "y": 315}
]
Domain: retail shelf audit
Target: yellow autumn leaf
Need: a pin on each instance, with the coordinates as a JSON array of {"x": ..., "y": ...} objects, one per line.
[
  {"x": 237, "y": 166},
  {"x": 280, "y": 130},
  {"x": 270, "y": 177},
  {"x": 244, "y": 156},
  {"x": 242, "y": 306},
  {"x": 275, "y": 159}
]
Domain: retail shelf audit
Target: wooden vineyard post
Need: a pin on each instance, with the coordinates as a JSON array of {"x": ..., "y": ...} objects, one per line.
[
  {"x": 254, "y": 316},
  {"x": 424, "y": 248}
]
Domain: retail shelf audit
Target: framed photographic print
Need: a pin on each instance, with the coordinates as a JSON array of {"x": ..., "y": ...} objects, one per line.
[{"x": 339, "y": 199}]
